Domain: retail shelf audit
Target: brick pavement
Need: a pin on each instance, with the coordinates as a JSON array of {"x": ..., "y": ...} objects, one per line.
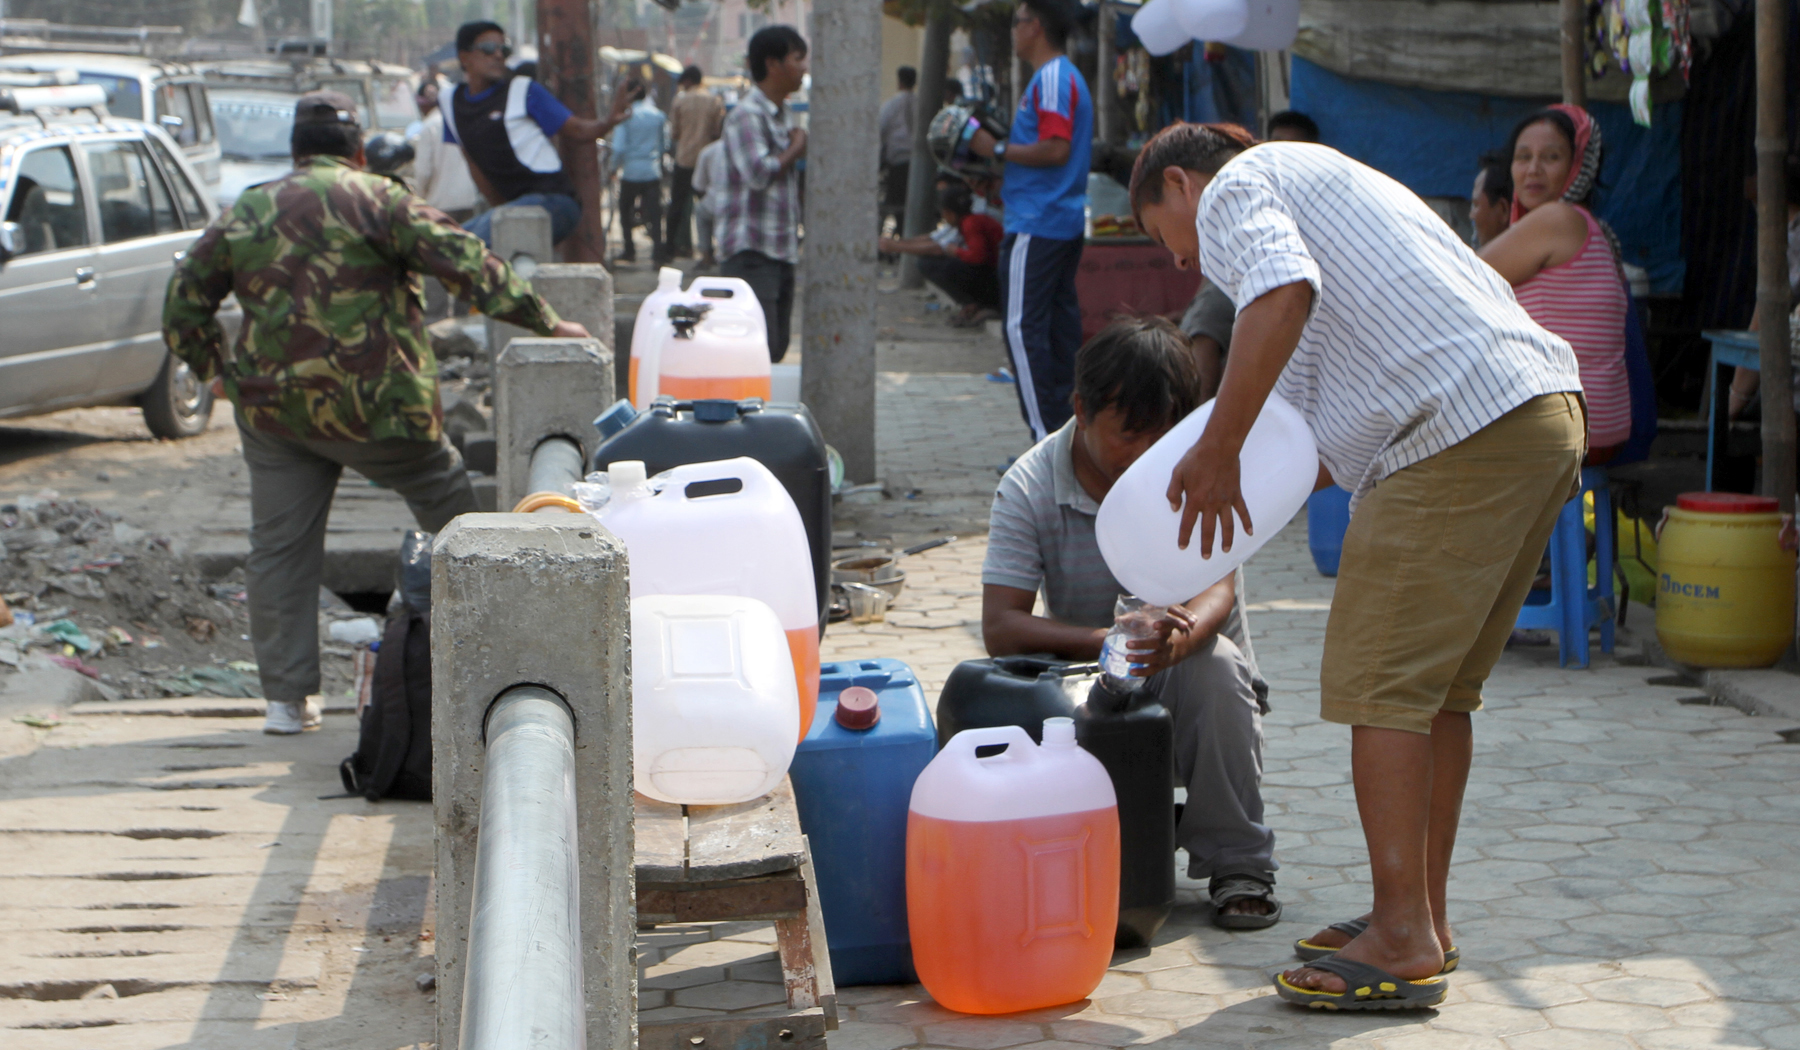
[{"x": 1627, "y": 874}]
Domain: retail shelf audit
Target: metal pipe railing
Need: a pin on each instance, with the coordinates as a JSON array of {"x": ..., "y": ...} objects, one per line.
[
  {"x": 523, "y": 982},
  {"x": 555, "y": 463}
]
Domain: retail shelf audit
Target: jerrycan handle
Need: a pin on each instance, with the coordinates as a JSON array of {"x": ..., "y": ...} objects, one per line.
[
  {"x": 718, "y": 286},
  {"x": 1019, "y": 745}
]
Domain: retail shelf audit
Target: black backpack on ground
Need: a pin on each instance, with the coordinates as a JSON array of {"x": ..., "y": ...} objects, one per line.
[{"x": 393, "y": 752}]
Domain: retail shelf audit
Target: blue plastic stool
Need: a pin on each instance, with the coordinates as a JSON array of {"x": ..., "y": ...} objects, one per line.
[
  {"x": 1570, "y": 607},
  {"x": 1327, "y": 519}
]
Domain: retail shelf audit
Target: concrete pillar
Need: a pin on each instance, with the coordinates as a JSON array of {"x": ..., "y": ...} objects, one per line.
[
  {"x": 837, "y": 367},
  {"x": 921, "y": 179},
  {"x": 541, "y": 599},
  {"x": 545, "y": 388},
  {"x": 1109, "y": 125},
  {"x": 580, "y": 292},
  {"x": 522, "y": 240}
]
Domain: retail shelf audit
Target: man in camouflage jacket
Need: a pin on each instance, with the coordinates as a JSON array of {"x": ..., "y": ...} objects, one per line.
[{"x": 333, "y": 368}]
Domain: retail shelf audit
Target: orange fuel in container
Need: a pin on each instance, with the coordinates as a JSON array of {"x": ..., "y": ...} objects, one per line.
[{"x": 1012, "y": 871}]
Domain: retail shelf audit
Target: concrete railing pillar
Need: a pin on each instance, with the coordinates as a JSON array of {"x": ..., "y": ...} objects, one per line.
[
  {"x": 545, "y": 388},
  {"x": 521, "y": 239},
  {"x": 540, "y": 599},
  {"x": 580, "y": 292}
]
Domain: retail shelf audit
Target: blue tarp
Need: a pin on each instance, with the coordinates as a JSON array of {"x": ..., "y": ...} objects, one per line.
[{"x": 1430, "y": 141}]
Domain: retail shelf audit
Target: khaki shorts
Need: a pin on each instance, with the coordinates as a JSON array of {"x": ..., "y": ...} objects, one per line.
[{"x": 1437, "y": 561}]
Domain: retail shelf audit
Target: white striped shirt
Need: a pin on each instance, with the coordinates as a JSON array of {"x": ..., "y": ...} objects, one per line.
[{"x": 1414, "y": 343}]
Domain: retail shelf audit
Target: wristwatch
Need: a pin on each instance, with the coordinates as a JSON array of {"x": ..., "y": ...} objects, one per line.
[{"x": 999, "y": 151}]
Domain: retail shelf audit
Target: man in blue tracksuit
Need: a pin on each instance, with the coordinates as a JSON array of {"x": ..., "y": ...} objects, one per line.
[{"x": 1045, "y": 195}]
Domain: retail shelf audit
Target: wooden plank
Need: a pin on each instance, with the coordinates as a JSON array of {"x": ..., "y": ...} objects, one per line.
[
  {"x": 661, "y": 853},
  {"x": 805, "y": 963},
  {"x": 759, "y": 837},
  {"x": 755, "y": 1030},
  {"x": 777, "y": 897}
]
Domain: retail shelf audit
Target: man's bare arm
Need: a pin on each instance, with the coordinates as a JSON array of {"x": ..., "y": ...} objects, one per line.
[{"x": 1009, "y": 629}]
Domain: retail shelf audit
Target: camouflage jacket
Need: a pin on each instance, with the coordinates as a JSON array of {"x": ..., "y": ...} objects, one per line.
[{"x": 326, "y": 262}]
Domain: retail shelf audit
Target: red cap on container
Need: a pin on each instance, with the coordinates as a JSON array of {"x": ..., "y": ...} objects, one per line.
[
  {"x": 1726, "y": 503},
  {"x": 858, "y": 708}
]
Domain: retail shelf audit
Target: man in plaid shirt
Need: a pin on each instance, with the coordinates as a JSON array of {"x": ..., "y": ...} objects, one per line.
[{"x": 758, "y": 229}]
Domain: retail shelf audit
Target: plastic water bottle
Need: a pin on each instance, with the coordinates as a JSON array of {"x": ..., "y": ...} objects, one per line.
[{"x": 1133, "y": 620}]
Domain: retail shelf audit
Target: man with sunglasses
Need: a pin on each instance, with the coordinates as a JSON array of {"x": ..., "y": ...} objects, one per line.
[
  {"x": 1045, "y": 194},
  {"x": 508, "y": 124}
]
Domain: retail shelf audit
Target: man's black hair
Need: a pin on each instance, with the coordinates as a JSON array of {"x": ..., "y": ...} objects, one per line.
[
  {"x": 1293, "y": 118},
  {"x": 469, "y": 32},
  {"x": 1056, "y": 18},
  {"x": 691, "y": 76},
  {"x": 955, "y": 197},
  {"x": 908, "y": 76},
  {"x": 325, "y": 140},
  {"x": 1144, "y": 368},
  {"x": 772, "y": 44},
  {"x": 1496, "y": 167}
]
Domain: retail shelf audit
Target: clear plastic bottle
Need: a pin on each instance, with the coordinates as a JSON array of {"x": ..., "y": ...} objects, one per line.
[{"x": 1133, "y": 620}]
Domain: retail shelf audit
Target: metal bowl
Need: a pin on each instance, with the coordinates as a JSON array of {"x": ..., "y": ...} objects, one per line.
[{"x": 880, "y": 571}]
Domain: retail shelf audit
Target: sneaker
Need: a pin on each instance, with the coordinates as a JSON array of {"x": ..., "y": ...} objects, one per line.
[{"x": 287, "y": 717}]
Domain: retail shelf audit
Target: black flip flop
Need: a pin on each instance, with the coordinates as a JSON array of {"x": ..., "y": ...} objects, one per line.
[
  {"x": 1307, "y": 951},
  {"x": 1368, "y": 988},
  {"x": 1224, "y": 889}
]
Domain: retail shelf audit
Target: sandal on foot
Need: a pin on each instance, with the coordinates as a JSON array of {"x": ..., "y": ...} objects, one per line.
[
  {"x": 1367, "y": 988},
  {"x": 1225, "y": 889},
  {"x": 1307, "y": 951}
]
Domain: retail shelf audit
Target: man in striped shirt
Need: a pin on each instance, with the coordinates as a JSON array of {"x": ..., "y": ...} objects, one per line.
[
  {"x": 758, "y": 229},
  {"x": 1457, "y": 424}
]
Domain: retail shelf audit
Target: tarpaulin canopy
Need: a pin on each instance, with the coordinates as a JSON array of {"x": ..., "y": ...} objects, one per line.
[{"x": 1431, "y": 141}]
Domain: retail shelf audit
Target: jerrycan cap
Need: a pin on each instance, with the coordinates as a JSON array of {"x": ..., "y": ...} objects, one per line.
[
  {"x": 1726, "y": 503},
  {"x": 858, "y": 708},
  {"x": 1059, "y": 732},
  {"x": 626, "y": 474},
  {"x": 616, "y": 418}
]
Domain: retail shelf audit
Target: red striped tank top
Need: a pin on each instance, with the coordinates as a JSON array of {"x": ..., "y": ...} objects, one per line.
[{"x": 1583, "y": 301}]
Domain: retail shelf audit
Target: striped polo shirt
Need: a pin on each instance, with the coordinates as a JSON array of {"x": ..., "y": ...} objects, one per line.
[{"x": 1414, "y": 343}]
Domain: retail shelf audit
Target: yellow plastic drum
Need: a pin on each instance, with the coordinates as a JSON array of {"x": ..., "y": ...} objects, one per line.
[{"x": 1725, "y": 588}]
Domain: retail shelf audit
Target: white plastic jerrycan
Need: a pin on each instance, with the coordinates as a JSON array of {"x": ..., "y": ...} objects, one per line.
[
  {"x": 1012, "y": 871},
  {"x": 647, "y": 334},
  {"x": 1137, "y": 531},
  {"x": 716, "y": 344},
  {"x": 726, "y": 527},
  {"x": 714, "y": 709}
]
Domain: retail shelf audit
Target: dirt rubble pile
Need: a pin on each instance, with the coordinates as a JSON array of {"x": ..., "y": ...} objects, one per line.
[{"x": 95, "y": 594}]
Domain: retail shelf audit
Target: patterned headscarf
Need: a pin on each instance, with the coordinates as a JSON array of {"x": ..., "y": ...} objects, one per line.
[{"x": 1586, "y": 166}]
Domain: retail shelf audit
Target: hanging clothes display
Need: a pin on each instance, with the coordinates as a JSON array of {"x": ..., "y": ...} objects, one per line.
[{"x": 1643, "y": 38}]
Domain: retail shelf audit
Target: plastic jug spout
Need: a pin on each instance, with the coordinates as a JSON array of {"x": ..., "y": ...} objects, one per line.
[
  {"x": 627, "y": 478},
  {"x": 1059, "y": 732},
  {"x": 1111, "y": 701},
  {"x": 668, "y": 279}
]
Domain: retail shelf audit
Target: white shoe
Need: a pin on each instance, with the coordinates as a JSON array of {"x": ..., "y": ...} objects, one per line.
[{"x": 287, "y": 717}]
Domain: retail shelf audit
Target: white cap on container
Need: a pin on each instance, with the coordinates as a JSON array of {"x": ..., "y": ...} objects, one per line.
[
  {"x": 1059, "y": 732},
  {"x": 668, "y": 279},
  {"x": 626, "y": 474}
]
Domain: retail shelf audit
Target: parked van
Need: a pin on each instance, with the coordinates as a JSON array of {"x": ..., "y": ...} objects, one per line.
[{"x": 171, "y": 95}]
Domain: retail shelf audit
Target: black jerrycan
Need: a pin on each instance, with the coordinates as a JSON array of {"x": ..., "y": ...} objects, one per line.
[
  {"x": 783, "y": 438},
  {"x": 1133, "y": 736},
  {"x": 1003, "y": 691}
]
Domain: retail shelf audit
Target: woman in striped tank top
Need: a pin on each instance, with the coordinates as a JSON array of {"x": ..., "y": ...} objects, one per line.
[{"x": 1562, "y": 265}]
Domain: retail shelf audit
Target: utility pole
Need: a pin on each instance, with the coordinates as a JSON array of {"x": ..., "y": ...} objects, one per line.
[
  {"x": 1771, "y": 252},
  {"x": 567, "y": 56},
  {"x": 1574, "y": 53},
  {"x": 921, "y": 178},
  {"x": 321, "y": 22},
  {"x": 1107, "y": 125},
  {"x": 837, "y": 369}
]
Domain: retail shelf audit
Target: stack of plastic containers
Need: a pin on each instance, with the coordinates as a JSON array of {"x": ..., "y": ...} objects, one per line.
[
  {"x": 1012, "y": 871},
  {"x": 724, "y": 528},
  {"x": 709, "y": 341},
  {"x": 853, "y": 777}
]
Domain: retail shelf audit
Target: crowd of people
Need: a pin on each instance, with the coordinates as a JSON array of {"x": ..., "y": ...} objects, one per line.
[{"x": 1455, "y": 393}]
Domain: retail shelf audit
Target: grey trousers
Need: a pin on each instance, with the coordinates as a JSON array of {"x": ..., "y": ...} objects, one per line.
[
  {"x": 1218, "y": 756},
  {"x": 291, "y": 486}
]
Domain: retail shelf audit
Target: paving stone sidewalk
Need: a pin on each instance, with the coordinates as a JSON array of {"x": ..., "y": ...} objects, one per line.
[{"x": 1627, "y": 876}]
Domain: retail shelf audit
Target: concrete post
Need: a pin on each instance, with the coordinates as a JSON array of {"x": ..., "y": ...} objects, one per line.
[
  {"x": 921, "y": 178},
  {"x": 837, "y": 369},
  {"x": 545, "y": 388},
  {"x": 522, "y": 240},
  {"x": 580, "y": 292},
  {"x": 541, "y": 599}
]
